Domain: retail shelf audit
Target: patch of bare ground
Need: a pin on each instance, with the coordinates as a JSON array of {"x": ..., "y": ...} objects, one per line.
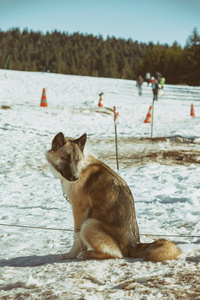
[
  {"x": 180, "y": 285},
  {"x": 5, "y": 107},
  {"x": 140, "y": 151},
  {"x": 112, "y": 279}
]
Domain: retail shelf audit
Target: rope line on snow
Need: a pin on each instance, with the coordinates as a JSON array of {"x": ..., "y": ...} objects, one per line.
[
  {"x": 62, "y": 229},
  {"x": 35, "y": 227}
]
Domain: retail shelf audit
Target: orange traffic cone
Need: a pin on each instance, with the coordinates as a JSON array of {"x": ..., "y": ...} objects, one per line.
[
  {"x": 192, "y": 111},
  {"x": 101, "y": 100},
  {"x": 43, "y": 102},
  {"x": 148, "y": 117}
]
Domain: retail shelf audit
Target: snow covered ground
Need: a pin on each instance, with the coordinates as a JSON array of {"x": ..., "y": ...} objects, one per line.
[{"x": 163, "y": 174}]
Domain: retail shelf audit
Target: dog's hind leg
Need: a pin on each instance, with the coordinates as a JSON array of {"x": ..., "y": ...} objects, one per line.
[
  {"x": 76, "y": 248},
  {"x": 99, "y": 242}
]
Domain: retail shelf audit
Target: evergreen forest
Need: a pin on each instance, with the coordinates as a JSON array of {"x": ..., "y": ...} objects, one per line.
[{"x": 88, "y": 55}]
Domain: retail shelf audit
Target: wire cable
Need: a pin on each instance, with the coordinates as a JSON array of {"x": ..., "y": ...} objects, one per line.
[{"x": 70, "y": 230}]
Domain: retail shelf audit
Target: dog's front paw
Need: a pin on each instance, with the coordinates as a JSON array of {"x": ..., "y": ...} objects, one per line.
[
  {"x": 66, "y": 256},
  {"x": 63, "y": 257},
  {"x": 81, "y": 255}
]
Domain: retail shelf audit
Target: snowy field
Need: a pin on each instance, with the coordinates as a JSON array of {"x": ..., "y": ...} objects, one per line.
[{"x": 163, "y": 174}]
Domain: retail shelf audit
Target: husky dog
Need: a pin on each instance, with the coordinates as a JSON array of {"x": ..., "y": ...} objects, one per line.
[{"x": 105, "y": 224}]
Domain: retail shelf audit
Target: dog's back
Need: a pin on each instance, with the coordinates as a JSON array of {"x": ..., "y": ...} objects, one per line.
[{"x": 111, "y": 202}]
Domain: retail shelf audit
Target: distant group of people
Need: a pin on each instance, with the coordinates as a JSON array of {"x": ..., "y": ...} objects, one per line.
[{"x": 157, "y": 83}]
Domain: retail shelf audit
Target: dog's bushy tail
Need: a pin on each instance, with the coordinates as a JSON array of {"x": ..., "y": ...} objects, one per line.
[{"x": 159, "y": 250}]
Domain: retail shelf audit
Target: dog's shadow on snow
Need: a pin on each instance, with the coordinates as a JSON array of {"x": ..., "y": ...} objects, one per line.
[{"x": 33, "y": 261}]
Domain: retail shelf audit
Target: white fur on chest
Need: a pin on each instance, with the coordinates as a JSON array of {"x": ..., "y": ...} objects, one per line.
[{"x": 66, "y": 185}]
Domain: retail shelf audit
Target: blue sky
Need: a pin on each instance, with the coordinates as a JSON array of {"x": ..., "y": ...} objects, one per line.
[{"x": 141, "y": 20}]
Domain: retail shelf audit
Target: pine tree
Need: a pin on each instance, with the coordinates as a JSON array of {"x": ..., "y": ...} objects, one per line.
[{"x": 192, "y": 58}]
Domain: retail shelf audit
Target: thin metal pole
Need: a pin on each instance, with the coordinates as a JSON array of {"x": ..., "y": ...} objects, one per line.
[
  {"x": 116, "y": 146},
  {"x": 152, "y": 118}
]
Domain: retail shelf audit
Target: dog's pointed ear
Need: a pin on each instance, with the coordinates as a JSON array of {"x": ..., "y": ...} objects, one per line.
[
  {"x": 58, "y": 141},
  {"x": 81, "y": 141}
]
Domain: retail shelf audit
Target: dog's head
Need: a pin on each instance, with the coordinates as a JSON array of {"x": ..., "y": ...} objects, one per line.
[{"x": 66, "y": 154}]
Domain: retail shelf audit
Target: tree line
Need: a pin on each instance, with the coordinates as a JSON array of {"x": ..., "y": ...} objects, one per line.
[{"x": 79, "y": 54}]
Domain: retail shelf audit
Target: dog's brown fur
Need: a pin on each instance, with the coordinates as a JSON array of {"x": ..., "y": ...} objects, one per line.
[{"x": 105, "y": 224}]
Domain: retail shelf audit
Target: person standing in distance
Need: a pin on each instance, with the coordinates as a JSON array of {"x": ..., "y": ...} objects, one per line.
[
  {"x": 139, "y": 84},
  {"x": 155, "y": 89}
]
